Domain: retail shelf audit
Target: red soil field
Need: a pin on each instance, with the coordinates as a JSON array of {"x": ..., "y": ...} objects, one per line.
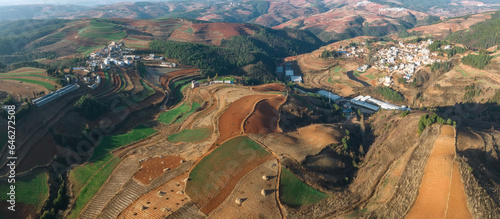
[
  {"x": 228, "y": 188},
  {"x": 269, "y": 88},
  {"x": 227, "y": 29},
  {"x": 230, "y": 123},
  {"x": 439, "y": 191},
  {"x": 155, "y": 167},
  {"x": 265, "y": 117}
]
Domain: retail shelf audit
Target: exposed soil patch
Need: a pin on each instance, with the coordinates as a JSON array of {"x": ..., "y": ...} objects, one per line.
[
  {"x": 434, "y": 198},
  {"x": 156, "y": 166},
  {"x": 265, "y": 117},
  {"x": 230, "y": 123}
]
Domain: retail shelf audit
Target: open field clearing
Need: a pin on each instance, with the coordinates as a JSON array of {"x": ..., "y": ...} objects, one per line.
[
  {"x": 215, "y": 176},
  {"x": 46, "y": 85},
  {"x": 112, "y": 142},
  {"x": 249, "y": 188},
  {"x": 296, "y": 193},
  {"x": 440, "y": 192},
  {"x": 31, "y": 189},
  {"x": 88, "y": 180},
  {"x": 190, "y": 135}
]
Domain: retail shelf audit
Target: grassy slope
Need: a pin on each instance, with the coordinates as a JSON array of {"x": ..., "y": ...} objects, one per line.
[
  {"x": 296, "y": 193},
  {"x": 171, "y": 115},
  {"x": 184, "y": 116},
  {"x": 32, "y": 189},
  {"x": 190, "y": 135},
  {"x": 88, "y": 179},
  {"x": 112, "y": 142}
]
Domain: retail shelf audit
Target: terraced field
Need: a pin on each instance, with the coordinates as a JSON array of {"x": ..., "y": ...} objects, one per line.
[
  {"x": 88, "y": 179},
  {"x": 32, "y": 189},
  {"x": 100, "y": 28}
]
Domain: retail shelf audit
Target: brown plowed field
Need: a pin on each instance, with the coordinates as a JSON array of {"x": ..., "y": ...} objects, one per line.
[
  {"x": 438, "y": 186},
  {"x": 154, "y": 167},
  {"x": 269, "y": 88},
  {"x": 264, "y": 119},
  {"x": 228, "y": 188},
  {"x": 231, "y": 120},
  {"x": 248, "y": 188}
]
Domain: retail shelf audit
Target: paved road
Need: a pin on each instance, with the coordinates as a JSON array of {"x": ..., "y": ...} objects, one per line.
[{"x": 354, "y": 78}]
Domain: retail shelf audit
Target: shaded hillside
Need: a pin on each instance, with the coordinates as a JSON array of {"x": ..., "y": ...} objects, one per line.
[
  {"x": 261, "y": 49},
  {"x": 482, "y": 35}
]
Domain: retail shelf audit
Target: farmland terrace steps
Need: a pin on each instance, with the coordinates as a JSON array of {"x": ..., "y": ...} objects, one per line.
[
  {"x": 132, "y": 190},
  {"x": 187, "y": 211},
  {"x": 117, "y": 179}
]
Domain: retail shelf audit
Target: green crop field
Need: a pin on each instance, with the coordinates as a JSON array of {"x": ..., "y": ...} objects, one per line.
[
  {"x": 44, "y": 84},
  {"x": 104, "y": 30},
  {"x": 370, "y": 77},
  {"x": 171, "y": 115},
  {"x": 296, "y": 193},
  {"x": 86, "y": 50},
  {"x": 184, "y": 116},
  {"x": 224, "y": 162},
  {"x": 147, "y": 92},
  {"x": 190, "y": 135},
  {"x": 88, "y": 179},
  {"x": 112, "y": 142},
  {"x": 330, "y": 80},
  {"x": 32, "y": 189}
]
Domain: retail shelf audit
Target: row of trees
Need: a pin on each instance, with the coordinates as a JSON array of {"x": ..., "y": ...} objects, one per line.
[{"x": 427, "y": 120}]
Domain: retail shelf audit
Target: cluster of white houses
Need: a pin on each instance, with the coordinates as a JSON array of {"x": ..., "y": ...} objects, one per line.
[
  {"x": 113, "y": 54},
  {"x": 405, "y": 59}
]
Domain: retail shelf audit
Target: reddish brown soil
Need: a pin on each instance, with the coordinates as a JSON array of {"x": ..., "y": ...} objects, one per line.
[
  {"x": 435, "y": 193},
  {"x": 457, "y": 205},
  {"x": 265, "y": 117},
  {"x": 227, "y": 29},
  {"x": 230, "y": 122},
  {"x": 155, "y": 167},
  {"x": 228, "y": 188},
  {"x": 269, "y": 88}
]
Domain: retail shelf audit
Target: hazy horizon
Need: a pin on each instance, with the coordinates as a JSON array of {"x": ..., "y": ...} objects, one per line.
[{"x": 69, "y": 2}]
